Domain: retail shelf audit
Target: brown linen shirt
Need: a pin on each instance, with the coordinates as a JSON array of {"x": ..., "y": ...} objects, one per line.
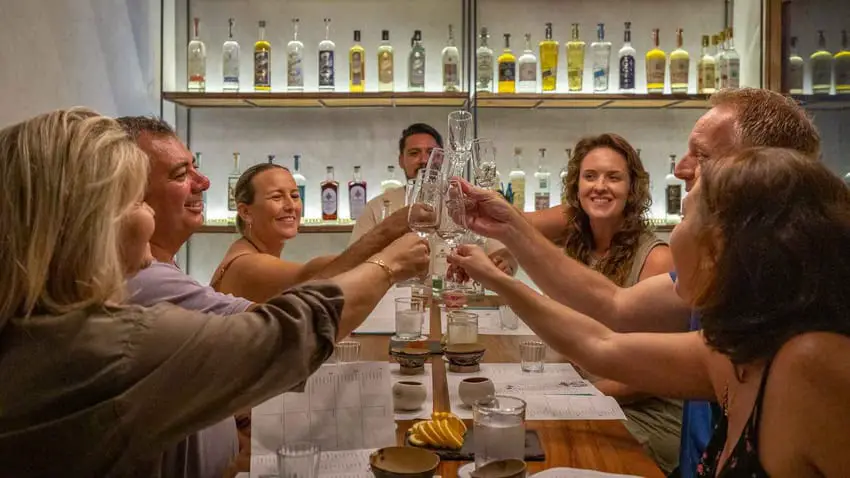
[{"x": 100, "y": 393}]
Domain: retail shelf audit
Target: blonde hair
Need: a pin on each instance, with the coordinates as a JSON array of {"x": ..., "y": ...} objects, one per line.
[{"x": 66, "y": 180}]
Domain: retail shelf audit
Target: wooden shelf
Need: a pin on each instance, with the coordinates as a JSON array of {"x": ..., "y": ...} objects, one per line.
[
  {"x": 824, "y": 102},
  {"x": 592, "y": 101},
  {"x": 315, "y": 100},
  {"x": 302, "y": 229}
]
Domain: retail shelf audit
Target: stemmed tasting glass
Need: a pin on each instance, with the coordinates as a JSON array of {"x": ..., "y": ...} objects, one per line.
[
  {"x": 426, "y": 204},
  {"x": 483, "y": 157},
  {"x": 460, "y": 130}
]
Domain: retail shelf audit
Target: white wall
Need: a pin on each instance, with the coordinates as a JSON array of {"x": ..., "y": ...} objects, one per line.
[{"x": 59, "y": 53}]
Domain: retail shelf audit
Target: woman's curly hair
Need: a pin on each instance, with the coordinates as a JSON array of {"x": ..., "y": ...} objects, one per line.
[{"x": 579, "y": 237}]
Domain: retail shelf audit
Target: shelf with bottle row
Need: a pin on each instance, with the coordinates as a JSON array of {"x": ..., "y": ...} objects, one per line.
[
  {"x": 824, "y": 101},
  {"x": 322, "y": 99},
  {"x": 307, "y": 226},
  {"x": 591, "y": 100}
]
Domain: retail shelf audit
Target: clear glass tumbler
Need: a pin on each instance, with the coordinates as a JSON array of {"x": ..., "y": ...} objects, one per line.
[
  {"x": 462, "y": 327},
  {"x": 347, "y": 351},
  {"x": 508, "y": 318},
  {"x": 409, "y": 317},
  {"x": 298, "y": 460},
  {"x": 531, "y": 355},
  {"x": 499, "y": 429}
]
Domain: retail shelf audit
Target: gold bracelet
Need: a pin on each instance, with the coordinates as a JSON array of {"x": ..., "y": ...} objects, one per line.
[{"x": 383, "y": 265}]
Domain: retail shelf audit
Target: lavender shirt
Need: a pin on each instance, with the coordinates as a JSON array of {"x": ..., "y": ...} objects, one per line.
[{"x": 206, "y": 453}]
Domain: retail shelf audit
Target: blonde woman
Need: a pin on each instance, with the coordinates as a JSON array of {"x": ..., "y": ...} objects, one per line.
[{"x": 90, "y": 387}]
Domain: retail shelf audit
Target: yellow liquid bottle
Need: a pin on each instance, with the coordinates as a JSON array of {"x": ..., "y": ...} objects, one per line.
[
  {"x": 680, "y": 65},
  {"x": 656, "y": 66},
  {"x": 842, "y": 67},
  {"x": 507, "y": 68},
  {"x": 821, "y": 66},
  {"x": 549, "y": 61},
  {"x": 262, "y": 61},
  {"x": 575, "y": 60},
  {"x": 356, "y": 66}
]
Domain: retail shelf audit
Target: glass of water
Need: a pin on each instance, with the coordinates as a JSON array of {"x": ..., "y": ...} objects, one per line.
[
  {"x": 499, "y": 429},
  {"x": 462, "y": 327},
  {"x": 347, "y": 351},
  {"x": 409, "y": 317},
  {"x": 531, "y": 355},
  {"x": 508, "y": 318},
  {"x": 298, "y": 460}
]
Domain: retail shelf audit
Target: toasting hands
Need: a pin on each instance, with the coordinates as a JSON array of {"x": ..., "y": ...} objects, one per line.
[
  {"x": 471, "y": 261},
  {"x": 487, "y": 212},
  {"x": 408, "y": 256}
]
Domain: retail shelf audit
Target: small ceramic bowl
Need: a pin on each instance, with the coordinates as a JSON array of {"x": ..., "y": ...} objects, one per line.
[
  {"x": 512, "y": 468},
  {"x": 408, "y": 396},
  {"x": 464, "y": 358},
  {"x": 403, "y": 462},
  {"x": 475, "y": 388},
  {"x": 412, "y": 361}
]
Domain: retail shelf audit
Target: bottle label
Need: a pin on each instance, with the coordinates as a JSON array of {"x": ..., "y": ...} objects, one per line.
[
  {"x": 197, "y": 65},
  {"x": 528, "y": 72},
  {"x": 655, "y": 72},
  {"x": 262, "y": 65},
  {"x": 733, "y": 67},
  {"x": 294, "y": 74},
  {"x": 627, "y": 72},
  {"x": 507, "y": 71},
  {"x": 417, "y": 70},
  {"x": 795, "y": 76},
  {"x": 230, "y": 69},
  {"x": 329, "y": 202},
  {"x": 231, "y": 193},
  {"x": 485, "y": 69},
  {"x": 673, "y": 194},
  {"x": 326, "y": 68},
  {"x": 706, "y": 76},
  {"x": 842, "y": 73},
  {"x": 679, "y": 71},
  {"x": 385, "y": 67},
  {"x": 356, "y": 200},
  {"x": 357, "y": 68},
  {"x": 821, "y": 74},
  {"x": 450, "y": 73},
  {"x": 541, "y": 201}
]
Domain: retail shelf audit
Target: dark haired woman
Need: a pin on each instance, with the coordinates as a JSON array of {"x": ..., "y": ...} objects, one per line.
[{"x": 761, "y": 256}]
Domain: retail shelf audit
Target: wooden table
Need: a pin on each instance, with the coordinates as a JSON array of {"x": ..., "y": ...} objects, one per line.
[{"x": 593, "y": 444}]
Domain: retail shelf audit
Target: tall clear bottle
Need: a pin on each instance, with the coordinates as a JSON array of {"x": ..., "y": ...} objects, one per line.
[
  {"x": 680, "y": 66},
  {"x": 451, "y": 64},
  {"x": 517, "y": 181},
  {"x": 300, "y": 180},
  {"x": 330, "y": 196},
  {"x": 627, "y": 61},
  {"x": 656, "y": 66},
  {"x": 842, "y": 66},
  {"x": 732, "y": 66},
  {"x": 542, "y": 177},
  {"x": 575, "y": 60},
  {"x": 391, "y": 181},
  {"x": 484, "y": 64},
  {"x": 527, "y": 66},
  {"x": 232, "y": 179},
  {"x": 295, "y": 61},
  {"x": 196, "y": 64},
  {"x": 262, "y": 61},
  {"x": 356, "y": 194},
  {"x": 673, "y": 193},
  {"x": 600, "y": 52},
  {"x": 796, "y": 67},
  {"x": 327, "y": 79},
  {"x": 416, "y": 64},
  {"x": 720, "y": 60},
  {"x": 548, "y": 61},
  {"x": 705, "y": 69},
  {"x": 230, "y": 60},
  {"x": 821, "y": 64},
  {"x": 562, "y": 176},
  {"x": 386, "y": 65},
  {"x": 507, "y": 68},
  {"x": 356, "y": 66}
]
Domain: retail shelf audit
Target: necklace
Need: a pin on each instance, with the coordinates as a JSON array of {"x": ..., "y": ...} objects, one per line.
[{"x": 727, "y": 401}]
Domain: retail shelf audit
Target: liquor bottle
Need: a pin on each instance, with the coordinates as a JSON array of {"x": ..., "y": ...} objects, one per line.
[
  {"x": 796, "y": 66},
  {"x": 541, "y": 177},
  {"x": 198, "y": 168},
  {"x": 673, "y": 193},
  {"x": 232, "y": 179},
  {"x": 484, "y": 64},
  {"x": 451, "y": 67},
  {"x": 600, "y": 52},
  {"x": 842, "y": 67},
  {"x": 549, "y": 61},
  {"x": 356, "y": 194},
  {"x": 527, "y": 66},
  {"x": 196, "y": 64},
  {"x": 732, "y": 66},
  {"x": 719, "y": 60},
  {"x": 517, "y": 181},
  {"x": 507, "y": 68},
  {"x": 656, "y": 66},
  {"x": 295, "y": 61},
  {"x": 627, "y": 61},
  {"x": 390, "y": 182},
  {"x": 230, "y": 60},
  {"x": 327, "y": 81},
  {"x": 330, "y": 196},
  {"x": 562, "y": 176},
  {"x": 356, "y": 66},
  {"x": 705, "y": 69},
  {"x": 386, "y": 209},
  {"x": 262, "y": 61},
  {"x": 386, "y": 66},
  {"x": 416, "y": 64},
  {"x": 300, "y": 180},
  {"x": 821, "y": 65},
  {"x": 271, "y": 159},
  {"x": 680, "y": 65},
  {"x": 575, "y": 60}
]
